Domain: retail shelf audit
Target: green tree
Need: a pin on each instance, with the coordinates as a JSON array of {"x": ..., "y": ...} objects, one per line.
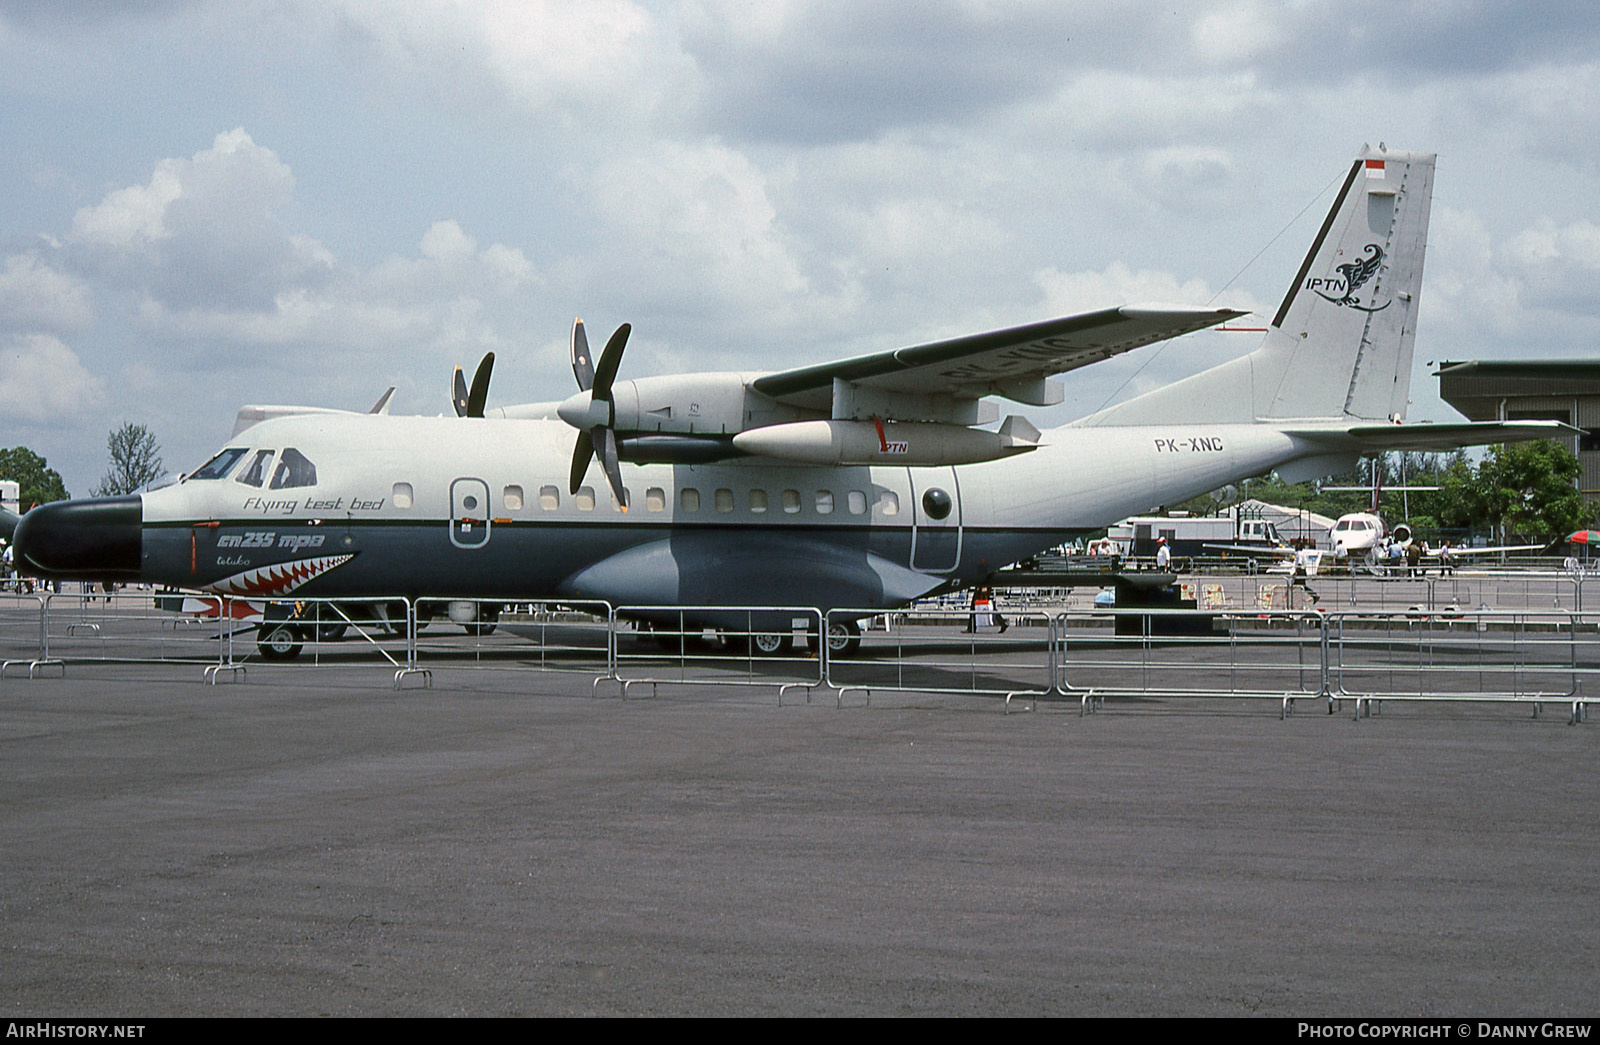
[
  {"x": 135, "y": 461},
  {"x": 1525, "y": 491},
  {"x": 38, "y": 482}
]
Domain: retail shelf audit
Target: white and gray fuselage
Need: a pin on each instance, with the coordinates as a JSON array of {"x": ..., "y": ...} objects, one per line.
[{"x": 439, "y": 507}]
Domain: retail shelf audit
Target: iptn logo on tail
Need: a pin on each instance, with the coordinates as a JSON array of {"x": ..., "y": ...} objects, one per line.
[{"x": 1352, "y": 276}]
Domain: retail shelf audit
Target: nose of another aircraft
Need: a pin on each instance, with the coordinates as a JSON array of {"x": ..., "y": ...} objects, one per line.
[{"x": 90, "y": 540}]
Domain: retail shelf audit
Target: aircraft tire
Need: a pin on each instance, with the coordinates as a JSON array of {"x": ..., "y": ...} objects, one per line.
[
  {"x": 331, "y": 632},
  {"x": 279, "y": 642},
  {"x": 488, "y": 616},
  {"x": 771, "y": 644},
  {"x": 844, "y": 638}
]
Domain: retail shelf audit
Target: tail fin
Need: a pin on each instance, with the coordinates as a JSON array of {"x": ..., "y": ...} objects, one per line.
[{"x": 1340, "y": 343}]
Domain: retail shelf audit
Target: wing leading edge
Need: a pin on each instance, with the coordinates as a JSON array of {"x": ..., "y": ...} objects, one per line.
[{"x": 1011, "y": 363}]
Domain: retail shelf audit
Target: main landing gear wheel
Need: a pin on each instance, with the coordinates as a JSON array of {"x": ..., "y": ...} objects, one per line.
[
  {"x": 278, "y": 642},
  {"x": 844, "y": 638},
  {"x": 771, "y": 643}
]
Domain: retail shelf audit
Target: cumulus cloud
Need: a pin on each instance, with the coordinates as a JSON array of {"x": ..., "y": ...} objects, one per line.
[
  {"x": 611, "y": 60},
  {"x": 815, "y": 71},
  {"x": 692, "y": 226},
  {"x": 1070, "y": 292},
  {"x": 203, "y": 232},
  {"x": 35, "y": 295},
  {"x": 1235, "y": 32},
  {"x": 208, "y": 260},
  {"x": 1538, "y": 288},
  {"x": 43, "y": 382}
]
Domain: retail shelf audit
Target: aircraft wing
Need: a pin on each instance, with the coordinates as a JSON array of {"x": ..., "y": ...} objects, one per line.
[
  {"x": 1426, "y": 436},
  {"x": 1011, "y": 363},
  {"x": 1461, "y": 553},
  {"x": 1252, "y": 549}
]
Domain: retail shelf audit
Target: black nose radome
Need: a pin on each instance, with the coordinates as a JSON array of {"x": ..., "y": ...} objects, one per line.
[{"x": 91, "y": 540}]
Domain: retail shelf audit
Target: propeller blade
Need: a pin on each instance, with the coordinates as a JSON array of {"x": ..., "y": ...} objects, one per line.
[
  {"x": 610, "y": 359},
  {"x": 582, "y": 364},
  {"x": 607, "y": 452},
  {"x": 480, "y": 386},
  {"x": 458, "y": 394},
  {"x": 581, "y": 454}
]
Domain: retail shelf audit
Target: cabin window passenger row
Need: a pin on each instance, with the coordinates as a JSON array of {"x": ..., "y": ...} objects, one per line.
[
  {"x": 513, "y": 498},
  {"x": 759, "y": 502},
  {"x": 400, "y": 493},
  {"x": 549, "y": 498},
  {"x": 585, "y": 498}
]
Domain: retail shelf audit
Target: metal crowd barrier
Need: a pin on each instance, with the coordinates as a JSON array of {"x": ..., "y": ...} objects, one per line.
[
  {"x": 24, "y": 634},
  {"x": 1477, "y": 655},
  {"x": 1430, "y": 651},
  {"x": 945, "y": 651},
  {"x": 522, "y": 636},
  {"x": 81, "y": 624},
  {"x": 1272, "y": 654},
  {"x": 751, "y": 645},
  {"x": 327, "y": 631}
]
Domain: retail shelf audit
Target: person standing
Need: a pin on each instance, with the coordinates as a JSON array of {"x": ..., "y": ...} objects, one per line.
[
  {"x": 1303, "y": 560},
  {"x": 983, "y": 610}
]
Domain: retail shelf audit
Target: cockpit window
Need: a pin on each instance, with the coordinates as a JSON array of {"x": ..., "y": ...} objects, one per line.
[
  {"x": 220, "y": 465},
  {"x": 294, "y": 469},
  {"x": 256, "y": 472}
]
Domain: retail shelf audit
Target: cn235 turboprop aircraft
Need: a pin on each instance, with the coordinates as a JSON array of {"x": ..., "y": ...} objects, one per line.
[{"x": 864, "y": 483}]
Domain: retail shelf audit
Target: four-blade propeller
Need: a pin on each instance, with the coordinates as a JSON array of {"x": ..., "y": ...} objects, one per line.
[{"x": 592, "y": 412}]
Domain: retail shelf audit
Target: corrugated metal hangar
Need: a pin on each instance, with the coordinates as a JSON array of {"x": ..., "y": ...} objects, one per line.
[{"x": 1538, "y": 389}]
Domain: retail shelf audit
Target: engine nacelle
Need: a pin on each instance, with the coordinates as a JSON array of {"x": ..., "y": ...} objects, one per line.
[
  {"x": 912, "y": 443},
  {"x": 696, "y": 404}
]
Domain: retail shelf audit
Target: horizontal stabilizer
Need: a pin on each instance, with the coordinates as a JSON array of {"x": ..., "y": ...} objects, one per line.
[{"x": 1370, "y": 438}]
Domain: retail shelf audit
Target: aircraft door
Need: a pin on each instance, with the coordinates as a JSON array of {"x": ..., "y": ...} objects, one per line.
[
  {"x": 936, "y": 520},
  {"x": 469, "y": 513}
]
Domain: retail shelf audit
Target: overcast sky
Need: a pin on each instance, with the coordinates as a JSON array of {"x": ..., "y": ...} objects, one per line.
[{"x": 206, "y": 205}]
